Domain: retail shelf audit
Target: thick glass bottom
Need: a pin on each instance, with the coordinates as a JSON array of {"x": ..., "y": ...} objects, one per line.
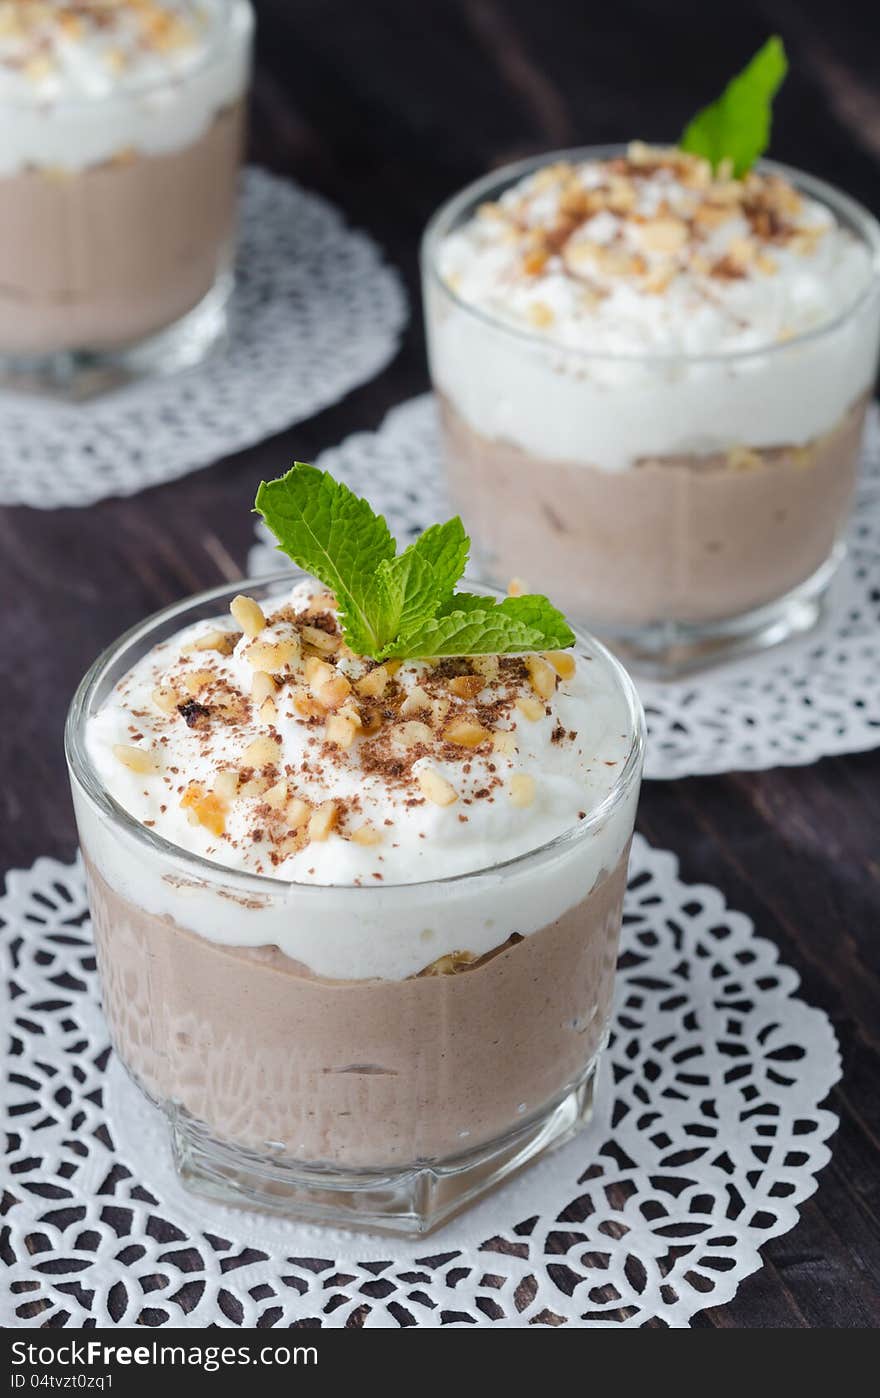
[
  {"x": 414, "y": 1200},
  {"x": 73, "y": 376},
  {"x": 668, "y": 650}
]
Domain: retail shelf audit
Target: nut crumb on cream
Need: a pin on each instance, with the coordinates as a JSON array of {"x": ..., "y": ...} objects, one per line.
[
  {"x": 87, "y": 82},
  {"x": 54, "y": 47},
  {"x": 613, "y": 309},
  {"x": 410, "y": 771},
  {"x": 650, "y": 249}
]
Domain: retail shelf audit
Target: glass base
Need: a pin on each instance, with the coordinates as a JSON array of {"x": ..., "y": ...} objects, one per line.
[
  {"x": 413, "y": 1201},
  {"x": 668, "y": 650},
  {"x": 74, "y": 376}
]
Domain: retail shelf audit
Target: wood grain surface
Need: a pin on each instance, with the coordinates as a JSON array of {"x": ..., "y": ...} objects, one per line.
[{"x": 387, "y": 107}]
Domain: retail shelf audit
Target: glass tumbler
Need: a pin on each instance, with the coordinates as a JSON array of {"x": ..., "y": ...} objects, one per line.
[{"x": 347, "y": 1098}]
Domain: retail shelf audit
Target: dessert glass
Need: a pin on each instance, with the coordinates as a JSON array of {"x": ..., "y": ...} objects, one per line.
[
  {"x": 117, "y": 221},
  {"x": 383, "y": 1103},
  {"x": 713, "y": 543}
]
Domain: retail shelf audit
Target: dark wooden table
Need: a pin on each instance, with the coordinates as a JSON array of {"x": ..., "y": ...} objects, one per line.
[{"x": 386, "y": 108}]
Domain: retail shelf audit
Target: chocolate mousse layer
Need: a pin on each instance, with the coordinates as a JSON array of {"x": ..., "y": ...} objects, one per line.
[
  {"x": 103, "y": 257},
  {"x": 675, "y": 538},
  {"x": 358, "y": 1073}
]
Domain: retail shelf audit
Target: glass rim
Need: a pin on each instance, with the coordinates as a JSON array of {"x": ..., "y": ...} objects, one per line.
[
  {"x": 853, "y": 214},
  {"x": 157, "y": 83},
  {"x": 83, "y": 772}
]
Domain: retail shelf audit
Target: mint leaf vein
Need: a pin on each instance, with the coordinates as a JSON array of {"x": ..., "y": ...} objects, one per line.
[{"x": 402, "y": 606}]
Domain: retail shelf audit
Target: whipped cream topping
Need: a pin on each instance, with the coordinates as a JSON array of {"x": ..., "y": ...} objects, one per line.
[
  {"x": 83, "y": 82},
  {"x": 349, "y": 776},
  {"x": 649, "y": 254},
  {"x": 193, "y": 712}
]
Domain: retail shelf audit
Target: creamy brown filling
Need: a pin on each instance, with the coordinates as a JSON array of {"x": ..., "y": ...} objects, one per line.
[
  {"x": 103, "y": 257},
  {"x": 358, "y": 1073},
  {"x": 678, "y": 538}
]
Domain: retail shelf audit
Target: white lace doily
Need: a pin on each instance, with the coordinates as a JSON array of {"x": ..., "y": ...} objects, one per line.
[
  {"x": 813, "y": 697},
  {"x": 315, "y": 312},
  {"x": 707, "y": 1136}
]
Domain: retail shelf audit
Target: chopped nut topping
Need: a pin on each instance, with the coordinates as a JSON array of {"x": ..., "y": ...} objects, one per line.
[
  {"x": 254, "y": 787},
  {"x": 542, "y": 675},
  {"x": 263, "y": 686},
  {"x": 374, "y": 684},
  {"x": 341, "y": 730},
  {"x": 451, "y": 711},
  {"x": 439, "y": 710},
  {"x": 504, "y": 743},
  {"x": 521, "y": 789},
  {"x": 663, "y": 234},
  {"x": 197, "y": 680},
  {"x": 450, "y": 963},
  {"x": 292, "y": 843},
  {"x": 134, "y": 758},
  {"x": 323, "y": 820},
  {"x": 248, "y": 614},
  {"x": 366, "y": 834},
  {"x": 332, "y": 692},
  {"x": 436, "y": 788},
  {"x": 276, "y": 797},
  {"x": 410, "y": 734},
  {"x": 232, "y": 707},
  {"x": 563, "y": 663},
  {"x": 222, "y": 641},
  {"x": 305, "y": 704},
  {"x": 530, "y": 708},
  {"x": 165, "y": 698},
  {"x": 467, "y": 686},
  {"x": 276, "y": 657},
  {"x": 321, "y": 640},
  {"x": 646, "y": 218},
  {"x": 416, "y": 702},
  {"x": 465, "y": 733},
  {"x": 317, "y": 671},
  {"x": 297, "y": 813},
  {"x": 535, "y": 261},
  {"x": 261, "y": 752},
  {"x": 194, "y": 714},
  {"x": 206, "y": 808},
  {"x": 226, "y": 785},
  {"x": 488, "y": 666}
]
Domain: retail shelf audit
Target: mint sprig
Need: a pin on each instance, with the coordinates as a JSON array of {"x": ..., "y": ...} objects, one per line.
[
  {"x": 736, "y": 127},
  {"x": 398, "y": 606}
]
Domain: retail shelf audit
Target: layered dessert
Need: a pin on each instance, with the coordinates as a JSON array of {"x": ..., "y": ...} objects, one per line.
[
  {"x": 652, "y": 378},
  {"x": 122, "y": 136},
  {"x": 351, "y": 914},
  {"x": 358, "y": 1040}
]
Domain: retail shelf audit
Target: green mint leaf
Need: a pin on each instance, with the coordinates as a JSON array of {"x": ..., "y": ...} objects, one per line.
[
  {"x": 409, "y": 592},
  {"x": 536, "y": 611},
  {"x": 737, "y": 126},
  {"x": 531, "y": 610},
  {"x": 422, "y": 578},
  {"x": 464, "y": 602},
  {"x": 332, "y": 533},
  {"x": 398, "y": 605},
  {"x": 446, "y": 547},
  {"x": 482, "y": 627},
  {"x": 478, "y": 632}
]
